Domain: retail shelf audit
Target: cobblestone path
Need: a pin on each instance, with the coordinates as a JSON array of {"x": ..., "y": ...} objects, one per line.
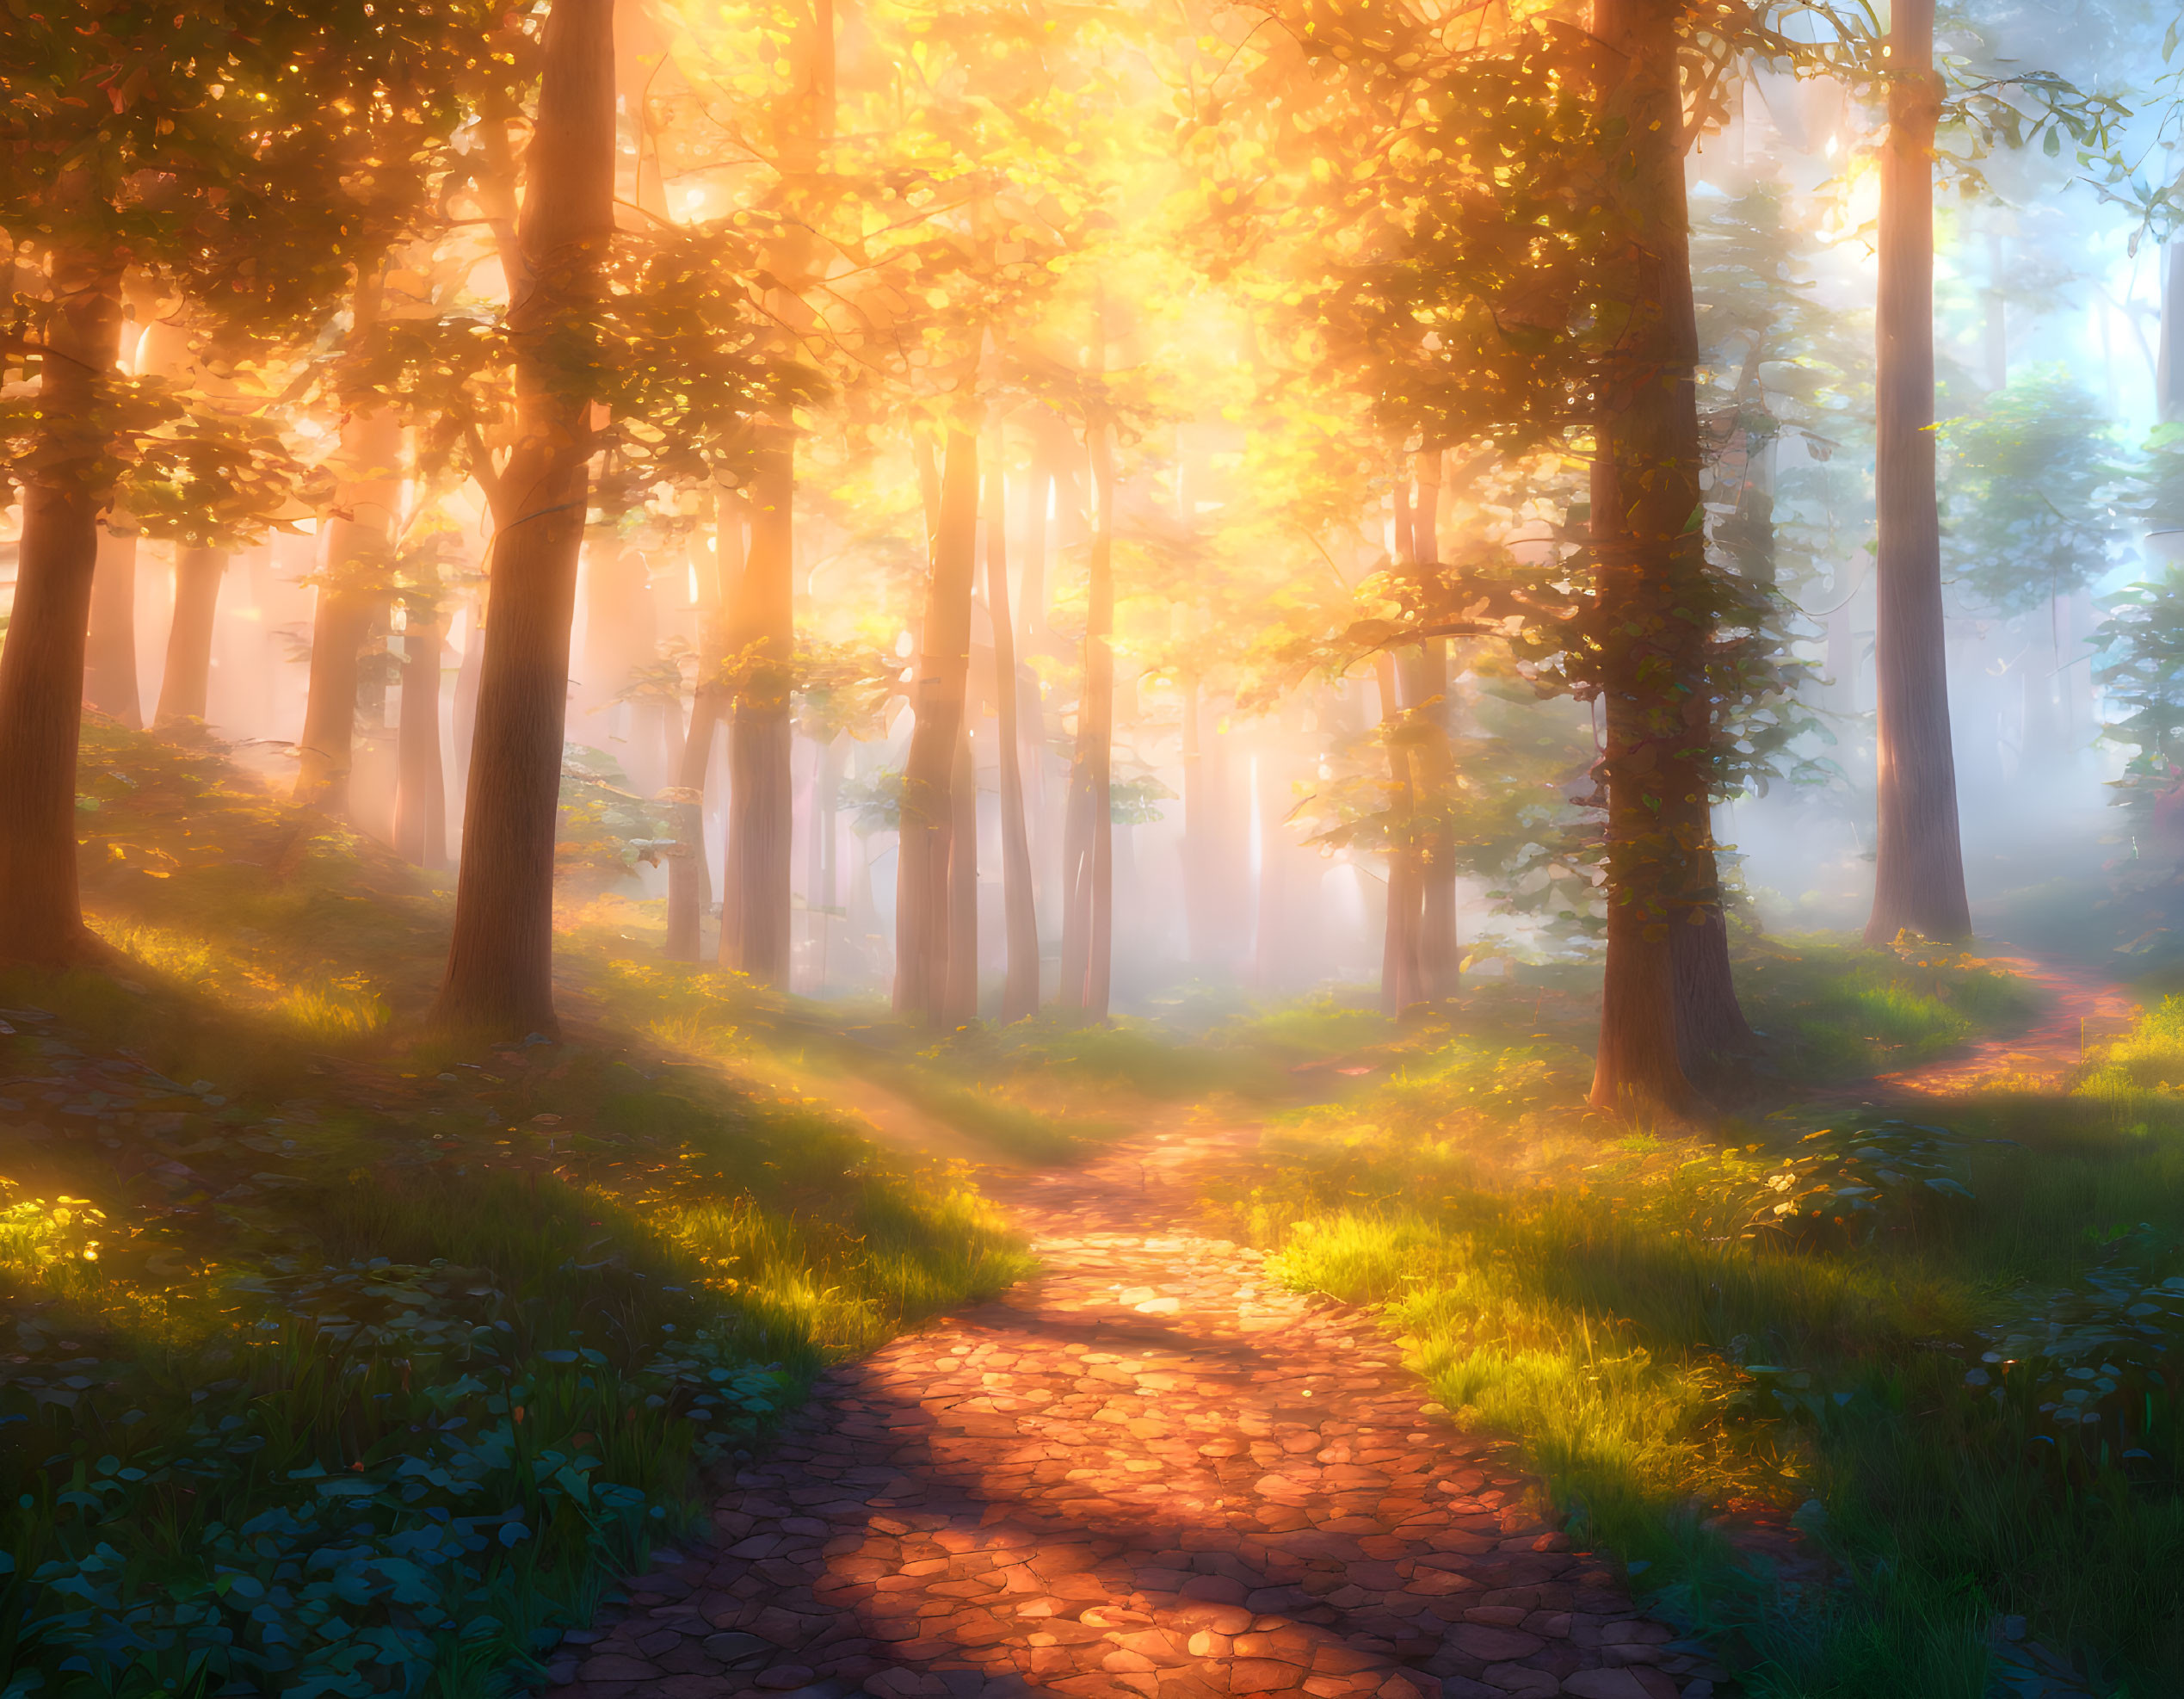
[{"x": 1146, "y": 1472}]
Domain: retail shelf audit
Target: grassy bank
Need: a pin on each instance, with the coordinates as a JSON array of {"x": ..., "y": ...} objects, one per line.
[
  {"x": 333, "y": 1362},
  {"x": 1946, "y": 1356}
]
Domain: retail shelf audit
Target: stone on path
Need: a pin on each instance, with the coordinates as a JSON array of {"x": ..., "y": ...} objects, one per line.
[{"x": 1147, "y": 1473}]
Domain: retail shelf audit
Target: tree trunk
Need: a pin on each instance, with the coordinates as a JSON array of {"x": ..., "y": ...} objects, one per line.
[
  {"x": 187, "y": 679},
  {"x": 690, "y": 868},
  {"x": 923, "y": 858},
  {"x": 1651, "y": 567},
  {"x": 110, "y": 649},
  {"x": 1200, "y": 934},
  {"x": 1440, "y": 959},
  {"x": 41, "y": 666},
  {"x": 352, "y": 589},
  {"x": 689, "y": 879},
  {"x": 1088, "y": 868},
  {"x": 963, "y": 881},
  {"x": 1918, "y": 873},
  {"x": 499, "y": 962},
  {"x": 1019, "y": 912},
  {"x": 420, "y": 783},
  {"x": 1401, "y": 982},
  {"x": 761, "y": 638}
]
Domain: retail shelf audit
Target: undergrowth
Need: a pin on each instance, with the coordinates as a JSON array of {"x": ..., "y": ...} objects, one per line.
[
  {"x": 333, "y": 1362},
  {"x": 1950, "y": 1356}
]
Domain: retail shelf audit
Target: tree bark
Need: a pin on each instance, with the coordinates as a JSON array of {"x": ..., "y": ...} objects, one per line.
[
  {"x": 110, "y": 649},
  {"x": 923, "y": 858},
  {"x": 1198, "y": 931},
  {"x": 1020, "y": 912},
  {"x": 186, "y": 680},
  {"x": 1440, "y": 959},
  {"x": 963, "y": 880},
  {"x": 1088, "y": 868},
  {"x": 689, "y": 869},
  {"x": 761, "y": 641},
  {"x": 421, "y": 782},
  {"x": 499, "y": 962},
  {"x": 1918, "y": 873},
  {"x": 353, "y": 589},
  {"x": 1401, "y": 981},
  {"x": 1650, "y": 570},
  {"x": 41, "y": 666}
]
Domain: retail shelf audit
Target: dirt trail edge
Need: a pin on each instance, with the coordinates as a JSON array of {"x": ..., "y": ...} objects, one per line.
[
  {"x": 1146, "y": 1472},
  {"x": 2083, "y": 1008}
]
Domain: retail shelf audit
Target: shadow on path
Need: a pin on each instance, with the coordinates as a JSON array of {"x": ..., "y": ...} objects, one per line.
[{"x": 1147, "y": 1472}]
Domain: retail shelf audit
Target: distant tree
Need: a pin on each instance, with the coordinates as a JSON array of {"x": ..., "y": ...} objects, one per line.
[
  {"x": 247, "y": 154},
  {"x": 2035, "y": 482}
]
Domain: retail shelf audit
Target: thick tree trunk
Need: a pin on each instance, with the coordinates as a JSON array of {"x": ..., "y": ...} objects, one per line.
[
  {"x": 421, "y": 782},
  {"x": 41, "y": 667},
  {"x": 1088, "y": 868},
  {"x": 187, "y": 679},
  {"x": 755, "y": 912},
  {"x": 499, "y": 962},
  {"x": 1019, "y": 912},
  {"x": 923, "y": 858},
  {"x": 351, "y": 592},
  {"x": 1651, "y": 568},
  {"x": 1918, "y": 873},
  {"x": 110, "y": 649}
]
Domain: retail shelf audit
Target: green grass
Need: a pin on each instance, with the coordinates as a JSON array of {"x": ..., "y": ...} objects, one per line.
[
  {"x": 1832, "y": 1007},
  {"x": 333, "y": 1362},
  {"x": 1665, "y": 1344}
]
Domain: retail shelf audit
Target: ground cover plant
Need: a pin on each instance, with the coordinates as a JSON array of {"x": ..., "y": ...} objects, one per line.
[
  {"x": 1939, "y": 1355},
  {"x": 338, "y": 1363}
]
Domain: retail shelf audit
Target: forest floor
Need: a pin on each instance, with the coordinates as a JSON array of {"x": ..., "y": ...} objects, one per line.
[
  {"x": 1261, "y": 1348},
  {"x": 1148, "y": 1469}
]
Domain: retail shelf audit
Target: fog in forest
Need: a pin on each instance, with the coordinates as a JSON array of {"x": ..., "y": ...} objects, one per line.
[
  {"x": 1177, "y": 848},
  {"x": 1244, "y": 803}
]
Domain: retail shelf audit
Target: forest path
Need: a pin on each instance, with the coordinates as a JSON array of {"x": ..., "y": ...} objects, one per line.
[
  {"x": 2083, "y": 1008},
  {"x": 1147, "y": 1471}
]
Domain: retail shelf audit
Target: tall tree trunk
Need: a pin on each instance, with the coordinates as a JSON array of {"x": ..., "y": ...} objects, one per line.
[
  {"x": 1440, "y": 959},
  {"x": 963, "y": 880},
  {"x": 1041, "y": 792},
  {"x": 1650, "y": 565},
  {"x": 923, "y": 858},
  {"x": 1020, "y": 912},
  {"x": 762, "y": 637},
  {"x": 420, "y": 783},
  {"x": 824, "y": 899},
  {"x": 1918, "y": 873},
  {"x": 1087, "y": 863},
  {"x": 1401, "y": 983},
  {"x": 499, "y": 962},
  {"x": 689, "y": 869},
  {"x": 110, "y": 649},
  {"x": 352, "y": 588},
  {"x": 1198, "y": 825},
  {"x": 41, "y": 667},
  {"x": 463, "y": 710},
  {"x": 186, "y": 680}
]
